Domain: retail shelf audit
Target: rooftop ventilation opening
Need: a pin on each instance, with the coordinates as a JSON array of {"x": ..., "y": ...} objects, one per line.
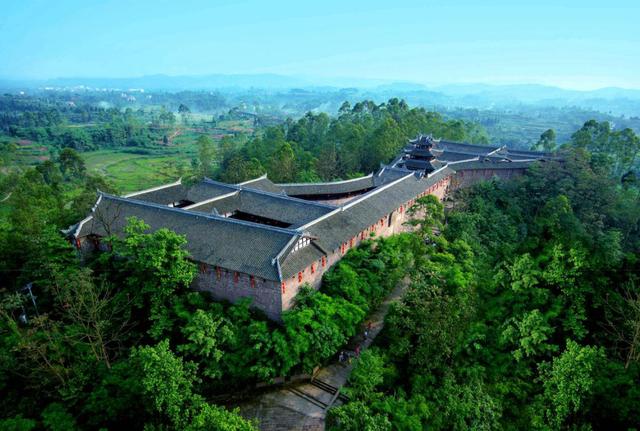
[
  {"x": 181, "y": 204},
  {"x": 241, "y": 215}
]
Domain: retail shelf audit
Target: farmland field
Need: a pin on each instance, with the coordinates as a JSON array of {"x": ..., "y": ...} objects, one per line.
[{"x": 130, "y": 172}]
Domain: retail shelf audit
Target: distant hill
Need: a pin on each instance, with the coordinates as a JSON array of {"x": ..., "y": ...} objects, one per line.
[{"x": 616, "y": 101}]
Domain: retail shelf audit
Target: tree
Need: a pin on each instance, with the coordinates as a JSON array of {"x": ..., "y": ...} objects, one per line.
[
  {"x": 153, "y": 266},
  {"x": 368, "y": 373},
  {"x": 568, "y": 383},
  {"x": 426, "y": 216},
  {"x": 168, "y": 384},
  {"x": 184, "y": 112},
  {"x": 97, "y": 314},
  {"x": 356, "y": 416},
  {"x": 71, "y": 163},
  {"x": 547, "y": 141},
  {"x": 282, "y": 166},
  {"x": 206, "y": 334},
  {"x": 206, "y": 155}
]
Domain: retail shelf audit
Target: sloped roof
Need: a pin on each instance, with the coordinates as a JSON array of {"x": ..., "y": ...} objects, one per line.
[
  {"x": 425, "y": 165},
  {"x": 262, "y": 183},
  {"x": 265, "y": 204},
  {"x": 462, "y": 147},
  {"x": 454, "y": 156},
  {"x": 418, "y": 152},
  {"x": 489, "y": 164},
  {"x": 176, "y": 192},
  {"x": 232, "y": 244},
  {"x": 164, "y": 194},
  {"x": 352, "y": 218},
  {"x": 330, "y": 188}
]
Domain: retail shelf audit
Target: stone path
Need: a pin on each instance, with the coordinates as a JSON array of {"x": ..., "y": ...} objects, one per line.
[{"x": 304, "y": 406}]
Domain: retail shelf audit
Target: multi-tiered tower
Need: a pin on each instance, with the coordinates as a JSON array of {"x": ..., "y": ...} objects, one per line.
[{"x": 419, "y": 155}]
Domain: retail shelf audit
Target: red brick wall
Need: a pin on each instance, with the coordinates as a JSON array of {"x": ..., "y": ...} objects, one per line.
[{"x": 231, "y": 286}]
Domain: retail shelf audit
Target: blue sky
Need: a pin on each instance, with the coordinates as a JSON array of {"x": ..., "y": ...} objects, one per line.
[{"x": 576, "y": 44}]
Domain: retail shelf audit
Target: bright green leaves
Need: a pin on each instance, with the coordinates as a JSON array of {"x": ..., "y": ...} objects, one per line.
[
  {"x": 154, "y": 266},
  {"x": 166, "y": 380},
  {"x": 369, "y": 372},
  {"x": 530, "y": 333},
  {"x": 568, "y": 383},
  {"x": 205, "y": 335},
  {"x": 168, "y": 385}
]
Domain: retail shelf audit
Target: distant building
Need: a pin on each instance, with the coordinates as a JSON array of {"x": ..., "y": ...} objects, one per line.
[{"x": 265, "y": 240}]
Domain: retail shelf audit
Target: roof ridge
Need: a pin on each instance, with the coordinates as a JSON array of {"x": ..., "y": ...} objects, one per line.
[
  {"x": 327, "y": 182},
  {"x": 219, "y": 183},
  {"x": 252, "y": 180},
  {"x": 285, "y": 197},
  {"x": 213, "y": 199},
  {"x": 466, "y": 153},
  {"x": 474, "y": 159},
  {"x": 153, "y": 189},
  {"x": 202, "y": 215}
]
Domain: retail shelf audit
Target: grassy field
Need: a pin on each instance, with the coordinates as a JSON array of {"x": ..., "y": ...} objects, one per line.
[
  {"x": 130, "y": 172},
  {"x": 136, "y": 168}
]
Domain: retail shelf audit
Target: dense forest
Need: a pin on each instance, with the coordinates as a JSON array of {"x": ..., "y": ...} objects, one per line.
[
  {"x": 522, "y": 311},
  {"x": 320, "y": 148}
]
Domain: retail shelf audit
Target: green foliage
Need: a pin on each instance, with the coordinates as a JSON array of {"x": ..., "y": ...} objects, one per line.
[
  {"x": 206, "y": 155},
  {"x": 17, "y": 423},
  {"x": 521, "y": 308},
  {"x": 369, "y": 373},
  {"x": 317, "y": 147},
  {"x": 357, "y": 416},
  {"x": 153, "y": 266},
  {"x": 56, "y": 418},
  {"x": 614, "y": 150},
  {"x": 547, "y": 141},
  {"x": 167, "y": 383},
  {"x": 568, "y": 383}
]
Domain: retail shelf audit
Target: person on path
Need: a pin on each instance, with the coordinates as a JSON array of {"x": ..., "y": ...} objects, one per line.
[{"x": 358, "y": 351}]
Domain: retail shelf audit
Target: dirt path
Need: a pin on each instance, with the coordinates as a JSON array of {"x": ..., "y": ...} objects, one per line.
[
  {"x": 304, "y": 406},
  {"x": 174, "y": 135}
]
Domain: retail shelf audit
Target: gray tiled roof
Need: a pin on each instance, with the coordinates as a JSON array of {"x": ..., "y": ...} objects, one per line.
[
  {"x": 367, "y": 210},
  {"x": 176, "y": 192},
  {"x": 296, "y": 261},
  {"x": 290, "y": 210},
  {"x": 336, "y": 187},
  {"x": 454, "y": 156},
  {"x": 162, "y": 195},
  {"x": 478, "y": 164},
  {"x": 464, "y": 147},
  {"x": 418, "y": 152},
  {"x": 262, "y": 183},
  {"x": 417, "y": 164},
  {"x": 234, "y": 245}
]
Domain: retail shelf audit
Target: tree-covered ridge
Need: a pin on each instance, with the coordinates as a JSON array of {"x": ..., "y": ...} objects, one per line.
[
  {"x": 522, "y": 313},
  {"x": 317, "y": 147}
]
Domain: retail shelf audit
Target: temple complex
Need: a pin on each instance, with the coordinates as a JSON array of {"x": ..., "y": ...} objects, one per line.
[{"x": 265, "y": 240}]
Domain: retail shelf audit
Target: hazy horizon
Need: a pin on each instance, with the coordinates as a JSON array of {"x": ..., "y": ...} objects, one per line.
[
  {"x": 331, "y": 81},
  {"x": 571, "y": 45}
]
